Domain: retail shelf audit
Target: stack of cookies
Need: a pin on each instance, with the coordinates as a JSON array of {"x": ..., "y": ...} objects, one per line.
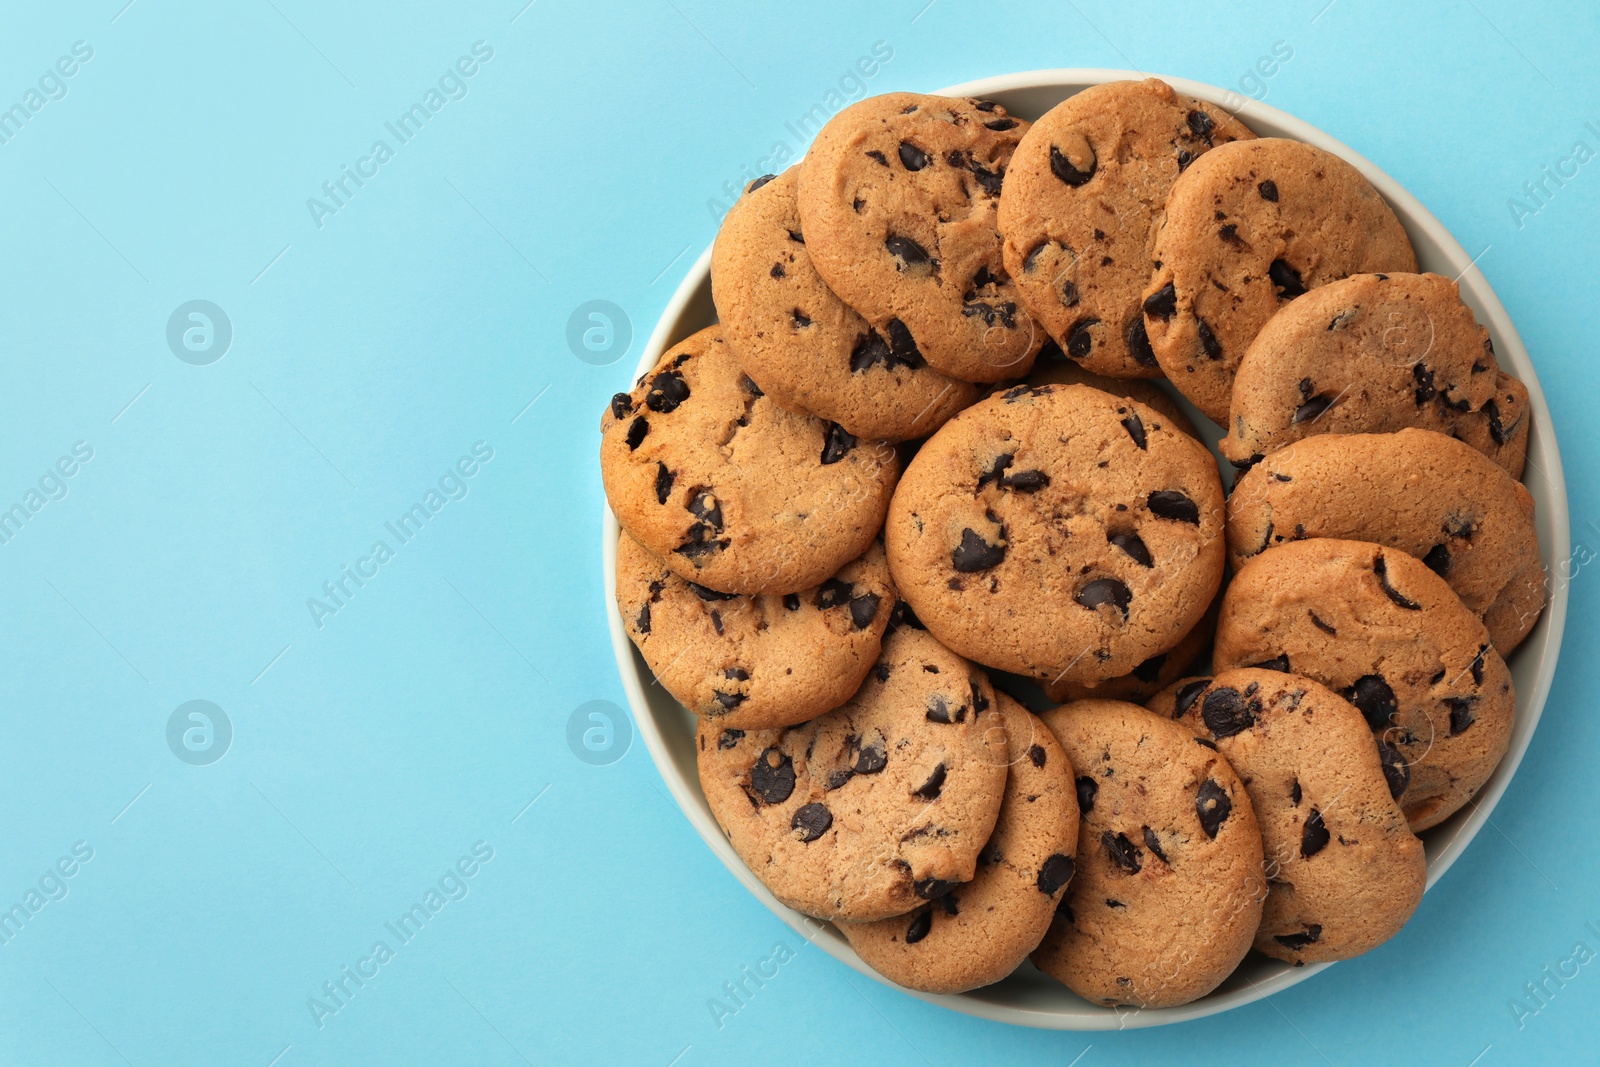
[{"x": 919, "y": 474}]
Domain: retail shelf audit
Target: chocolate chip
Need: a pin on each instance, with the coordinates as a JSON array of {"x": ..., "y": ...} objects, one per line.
[
  {"x": 1213, "y": 806},
  {"x": 880, "y": 671},
  {"x": 839, "y": 778},
  {"x": 1123, "y": 853},
  {"x": 930, "y": 789},
  {"x": 759, "y": 182},
  {"x": 932, "y": 888},
  {"x": 832, "y": 593},
  {"x": 709, "y": 594},
  {"x": 801, "y": 319},
  {"x": 1496, "y": 430},
  {"x": 1208, "y": 340},
  {"x": 1186, "y": 696},
  {"x": 736, "y": 674},
  {"x": 1395, "y": 768},
  {"x": 1079, "y": 341},
  {"x": 1226, "y": 712},
  {"x": 772, "y": 778},
  {"x": 837, "y": 444},
  {"x": 703, "y": 506},
  {"x": 997, "y": 469},
  {"x": 912, "y": 157},
  {"x": 667, "y": 391},
  {"x": 921, "y": 923},
  {"x": 730, "y": 738},
  {"x": 1296, "y": 942},
  {"x": 727, "y": 701},
  {"x": 975, "y": 554},
  {"x": 863, "y": 609},
  {"x": 1438, "y": 560},
  {"x": 1268, "y": 190},
  {"x": 999, "y": 124},
  {"x": 637, "y": 432},
  {"x": 1185, "y": 157},
  {"x": 812, "y": 820},
  {"x": 791, "y": 602},
  {"x": 1316, "y": 621},
  {"x": 1201, "y": 124},
  {"x": 1103, "y": 591},
  {"x": 642, "y": 623},
  {"x": 750, "y": 386},
  {"x": 1314, "y": 835},
  {"x": 1287, "y": 280},
  {"x": 1135, "y": 427},
  {"x": 1133, "y": 545},
  {"x": 902, "y": 346},
  {"x": 1477, "y": 665},
  {"x": 988, "y": 180},
  {"x": 1138, "y": 342},
  {"x": 870, "y": 350},
  {"x": 1461, "y": 715},
  {"x": 1087, "y": 789},
  {"x": 621, "y": 405},
  {"x": 872, "y": 759},
  {"x": 1153, "y": 843},
  {"x": 1174, "y": 505},
  {"x": 1280, "y": 662},
  {"x": 985, "y": 105},
  {"x": 701, "y": 541},
  {"x": 1062, "y": 168},
  {"x": 1054, "y": 873},
  {"x": 879, "y": 156},
  {"x": 1037, "y": 755},
  {"x": 1162, "y": 303},
  {"x": 938, "y": 710},
  {"x": 1423, "y": 376},
  {"x": 1294, "y": 792},
  {"x": 797, "y": 237},
  {"x": 907, "y": 251},
  {"x": 1381, "y": 568},
  {"x": 1311, "y": 409},
  {"x": 664, "y": 480}
]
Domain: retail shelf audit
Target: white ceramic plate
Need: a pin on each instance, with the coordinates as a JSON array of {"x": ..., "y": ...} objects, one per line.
[{"x": 1028, "y": 997}]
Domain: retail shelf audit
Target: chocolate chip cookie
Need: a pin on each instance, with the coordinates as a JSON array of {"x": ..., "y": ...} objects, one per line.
[
  {"x": 1058, "y": 532},
  {"x": 1383, "y": 631},
  {"x": 898, "y": 196},
  {"x": 1344, "y": 872},
  {"x": 732, "y": 491},
  {"x": 1083, "y": 199},
  {"x": 877, "y": 806},
  {"x": 978, "y": 933},
  {"x": 1168, "y": 889},
  {"x": 1251, "y": 226},
  {"x": 801, "y": 344},
  {"x": 1421, "y": 492},
  {"x": 1054, "y": 368},
  {"x": 1375, "y": 353},
  {"x": 755, "y": 661}
]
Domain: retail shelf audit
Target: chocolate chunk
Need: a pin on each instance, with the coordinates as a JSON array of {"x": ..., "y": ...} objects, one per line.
[
  {"x": 938, "y": 710},
  {"x": 872, "y": 759},
  {"x": 912, "y": 157},
  {"x": 642, "y": 623},
  {"x": 837, "y": 444},
  {"x": 1106, "y": 591},
  {"x": 772, "y": 776},
  {"x": 1133, "y": 545},
  {"x": 870, "y": 350},
  {"x": 975, "y": 554},
  {"x": 1294, "y": 792},
  {"x": 791, "y": 602},
  {"x": 1314, "y": 835},
  {"x": 880, "y": 671},
  {"x": 863, "y": 609},
  {"x": 1201, "y": 124},
  {"x": 1496, "y": 430},
  {"x": 1280, "y": 662},
  {"x": 703, "y": 506},
  {"x": 1461, "y": 715},
  {"x": 1174, "y": 505},
  {"x": 1062, "y": 168},
  {"x": 1162, "y": 303},
  {"x": 1054, "y": 873},
  {"x": 727, "y": 701},
  {"x": 1026, "y": 481},
  {"x": 750, "y": 386},
  {"x": 1316, "y": 620},
  {"x": 1395, "y": 768},
  {"x": 839, "y": 778},
  {"x": 932, "y": 888},
  {"x": 667, "y": 391},
  {"x": 1268, "y": 190},
  {"x": 1381, "y": 568},
  {"x": 1376, "y": 701},
  {"x": 988, "y": 180},
  {"x": 907, "y": 251},
  {"x": 832, "y": 593},
  {"x": 1296, "y": 942},
  {"x": 1153, "y": 843},
  {"x": 759, "y": 182},
  {"x": 1423, "y": 376},
  {"x": 1311, "y": 409},
  {"x": 1213, "y": 806},
  {"x": 879, "y": 156},
  {"x": 1287, "y": 280},
  {"x": 1137, "y": 338},
  {"x": 664, "y": 479},
  {"x": 999, "y": 124},
  {"x": 985, "y": 105},
  {"x": 980, "y": 703},
  {"x": 1226, "y": 712},
  {"x": 709, "y": 594},
  {"x": 1087, "y": 789},
  {"x": 1477, "y": 665},
  {"x": 812, "y": 820},
  {"x": 729, "y": 739},
  {"x": 1037, "y": 755},
  {"x": 1208, "y": 341},
  {"x": 801, "y": 319},
  {"x": 1438, "y": 560},
  {"x": 1079, "y": 341},
  {"x": 701, "y": 541},
  {"x": 1123, "y": 853},
  {"x": 621, "y": 405},
  {"x": 930, "y": 789},
  {"x": 1135, "y": 427},
  {"x": 1186, "y": 696},
  {"x": 921, "y": 923},
  {"x": 637, "y": 432},
  {"x": 997, "y": 469}
]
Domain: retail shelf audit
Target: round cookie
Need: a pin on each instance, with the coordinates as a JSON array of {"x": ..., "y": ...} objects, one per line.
[
  {"x": 1386, "y": 633},
  {"x": 1344, "y": 872},
  {"x": 1083, "y": 199},
  {"x": 1058, "y": 532},
  {"x": 1053, "y": 368},
  {"x": 729, "y": 489},
  {"x": 877, "y": 806},
  {"x": 1149, "y": 677},
  {"x": 1421, "y": 492},
  {"x": 1374, "y": 353},
  {"x": 755, "y": 661},
  {"x": 1168, "y": 889},
  {"x": 1250, "y": 226},
  {"x": 898, "y": 196},
  {"x": 978, "y": 933},
  {"x": 801, "y": 344}
]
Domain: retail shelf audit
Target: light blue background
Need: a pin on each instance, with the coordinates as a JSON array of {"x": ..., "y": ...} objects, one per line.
[{"x": 369, "y": 354}]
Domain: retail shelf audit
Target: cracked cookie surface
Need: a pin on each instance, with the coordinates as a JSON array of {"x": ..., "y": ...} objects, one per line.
[{"x": 730, "y": 490}]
